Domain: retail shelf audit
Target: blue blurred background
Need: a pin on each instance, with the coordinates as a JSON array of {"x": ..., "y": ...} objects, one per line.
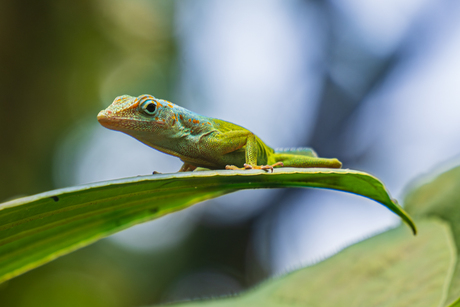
[{"x": 373, "y": 83}]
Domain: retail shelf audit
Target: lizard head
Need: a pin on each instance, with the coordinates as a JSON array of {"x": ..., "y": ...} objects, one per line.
[{"x": 143, "y": 116}]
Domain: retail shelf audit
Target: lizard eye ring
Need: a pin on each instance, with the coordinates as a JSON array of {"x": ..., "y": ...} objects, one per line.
[{"x": 148, "y": 107}]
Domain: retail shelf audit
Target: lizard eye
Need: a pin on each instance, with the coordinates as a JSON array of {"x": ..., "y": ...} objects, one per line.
[{"x": 149, "y": 107}]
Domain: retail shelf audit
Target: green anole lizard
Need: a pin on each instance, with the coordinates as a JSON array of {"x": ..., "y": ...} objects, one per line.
[{"x": 200, "y": 141}]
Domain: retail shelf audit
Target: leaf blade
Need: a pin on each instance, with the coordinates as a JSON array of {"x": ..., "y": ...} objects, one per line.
[
  {"x": 439, "y": 197},
  {"x": 39, "y": 228}
]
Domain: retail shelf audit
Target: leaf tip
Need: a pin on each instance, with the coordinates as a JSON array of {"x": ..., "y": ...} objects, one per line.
[
  {"x": 411, "y": 224},
  {"x": 405, "y": 217}
]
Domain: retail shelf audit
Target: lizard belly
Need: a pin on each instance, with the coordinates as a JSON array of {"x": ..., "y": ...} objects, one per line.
[
  {"x": 214, "y": 159},
  {"x": 216, "y": 162}
]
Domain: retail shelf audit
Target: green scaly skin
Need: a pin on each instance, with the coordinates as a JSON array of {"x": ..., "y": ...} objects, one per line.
[{"x": 200, "y": 141}]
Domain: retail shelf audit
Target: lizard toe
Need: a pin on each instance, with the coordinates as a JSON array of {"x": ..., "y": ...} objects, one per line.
[{"x": 267, "y": 168}]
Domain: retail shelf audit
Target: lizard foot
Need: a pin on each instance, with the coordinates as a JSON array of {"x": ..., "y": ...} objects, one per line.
[
  {"x": 264, "y": 167},
  {"x": 248, "y": 166},
  {"x": 187, "y": 168}
]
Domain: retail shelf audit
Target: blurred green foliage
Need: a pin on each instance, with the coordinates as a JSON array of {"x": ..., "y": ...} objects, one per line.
[
  {"x": 60, "y": 63},
  {"x": 440, "y": 198},
  {"x": 392, "y": 269}
]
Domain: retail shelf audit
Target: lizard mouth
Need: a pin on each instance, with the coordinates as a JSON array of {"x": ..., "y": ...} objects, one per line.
[
  {"x": 109, "y": 121},
  {"x": 113, "y": 122}
]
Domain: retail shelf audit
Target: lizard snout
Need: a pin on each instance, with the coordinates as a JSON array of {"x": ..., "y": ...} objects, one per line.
[{"x": 102, "y": 118}]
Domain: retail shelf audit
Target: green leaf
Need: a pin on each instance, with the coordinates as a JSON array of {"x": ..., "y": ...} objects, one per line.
[
  {"x": 440, "y": 197},
  {"x": 37, "y": 229},
  {"x": 393, "y": 269}
]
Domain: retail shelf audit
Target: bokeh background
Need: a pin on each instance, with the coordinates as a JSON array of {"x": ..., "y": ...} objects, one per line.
[{"x": 373, "y": 83}]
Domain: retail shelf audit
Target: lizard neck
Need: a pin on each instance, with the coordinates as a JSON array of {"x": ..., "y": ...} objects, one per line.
[{"x": 191, "y": 123}]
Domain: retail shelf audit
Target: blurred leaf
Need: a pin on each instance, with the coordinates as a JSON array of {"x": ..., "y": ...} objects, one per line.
[
  {"x": 440, "y": 197},
  {"x": 37, "y": 229},
  {"x": 389, "y": 270}
]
